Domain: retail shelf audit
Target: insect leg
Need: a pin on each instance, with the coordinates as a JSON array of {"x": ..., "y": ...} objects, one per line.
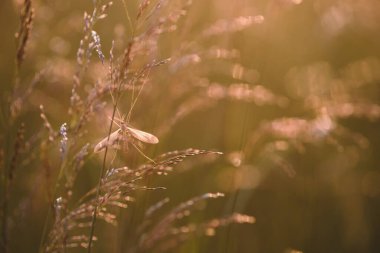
[{"x": 142, "y": 153}]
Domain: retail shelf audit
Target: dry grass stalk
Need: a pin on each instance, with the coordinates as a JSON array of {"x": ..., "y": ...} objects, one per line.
[
  {"x": 189, "y": 91},
  {"x": 22, "y": 36},
  {"x": 19, "y": 144},
  {"x": 165, "y": 235},
  {"x": 115, "y": 192}
]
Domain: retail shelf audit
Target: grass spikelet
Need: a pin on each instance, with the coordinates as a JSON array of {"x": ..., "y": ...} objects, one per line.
[
  {"x": 18, "y": 147},
  {"x": 229, "y": 26},
  {"x": 52, "y": 133},
  {"x": 76, "y": 170},
  {"x": 162, "y": 230},
  {"x": 97, "y": 46},
  {"x": 179, "y": 235},
  {"x": 23, "y": 34}
]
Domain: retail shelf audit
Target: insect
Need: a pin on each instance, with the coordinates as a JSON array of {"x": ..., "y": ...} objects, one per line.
[{"x": 128, "y": 134}]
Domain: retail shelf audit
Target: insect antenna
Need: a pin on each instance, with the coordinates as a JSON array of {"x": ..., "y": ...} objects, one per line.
[{"x": 118, "y": 120}]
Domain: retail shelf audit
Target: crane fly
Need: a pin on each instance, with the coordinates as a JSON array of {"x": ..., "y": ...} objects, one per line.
[{"x": 127, "y": 134}]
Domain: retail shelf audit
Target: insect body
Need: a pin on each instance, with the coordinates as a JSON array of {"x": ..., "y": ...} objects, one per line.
[{"x": 127, "y": 134}]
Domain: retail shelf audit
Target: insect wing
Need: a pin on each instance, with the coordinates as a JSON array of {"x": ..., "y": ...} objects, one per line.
[
  {"x": 113, "y": 138},
  {"x": 143, "y": 136}
]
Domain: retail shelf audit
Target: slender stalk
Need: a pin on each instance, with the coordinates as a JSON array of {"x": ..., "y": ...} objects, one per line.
[
  {"x": 98, "y": 189},
  {"x": 9, "y": 120},
  {"x": 92, "y": 230},
  {"x": 5, "y": 198},
  {"x": 235, "y": 196},
  {"x": 4, "y": 206},
  {"x": 50, "y": 209},
  {"x": 126, "y": 63}
]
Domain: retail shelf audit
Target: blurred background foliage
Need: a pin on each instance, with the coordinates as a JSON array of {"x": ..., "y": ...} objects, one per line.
[{"x": 292, "y": 102}]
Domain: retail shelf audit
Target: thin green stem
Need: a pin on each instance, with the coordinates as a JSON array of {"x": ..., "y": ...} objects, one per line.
[
  {"x": 92, "y": 230},
  {"x": 235, "y": 196},
  {"x": 51, "y": 207}
]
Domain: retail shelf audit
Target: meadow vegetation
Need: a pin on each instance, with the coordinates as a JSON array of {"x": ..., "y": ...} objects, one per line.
[{"x": 190, "y": 126}]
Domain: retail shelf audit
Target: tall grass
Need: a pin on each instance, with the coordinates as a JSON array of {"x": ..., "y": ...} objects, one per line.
[{"x": 144, "y": 126}]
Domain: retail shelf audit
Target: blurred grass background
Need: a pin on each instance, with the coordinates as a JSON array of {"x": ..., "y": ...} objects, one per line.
[{"x": 317, "y": 197}]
